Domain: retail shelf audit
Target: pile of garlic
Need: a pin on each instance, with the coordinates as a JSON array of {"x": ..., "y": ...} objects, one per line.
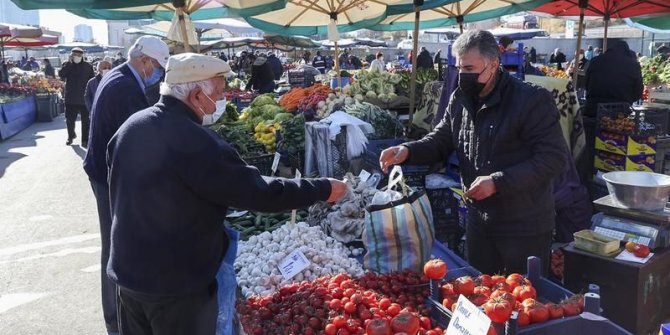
[{"x": 258, "y": 258}]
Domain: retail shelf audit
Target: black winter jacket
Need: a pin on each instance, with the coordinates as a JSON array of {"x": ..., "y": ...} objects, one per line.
[
  {"x": 76, "y": 77},
  {"x": 614, "y": 76},
  {"x": 424, "y": 61},
  {"x": 277, "y": 67},
  {"x": 515, "y": 137}
]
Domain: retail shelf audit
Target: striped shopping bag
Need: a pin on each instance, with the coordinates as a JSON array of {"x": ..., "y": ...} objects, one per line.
[{"x": 399, "y": 235}]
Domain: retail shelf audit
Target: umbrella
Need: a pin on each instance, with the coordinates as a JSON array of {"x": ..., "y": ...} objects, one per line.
[
  {"x": 515, "y": 34},
  {"x": 370, "y": 42},
  {"x": 13, "y": 34},
  {"x": 293, "y": 41},
  {"x": 607, "y": 9},
  {"x": 656, "y": 24}
]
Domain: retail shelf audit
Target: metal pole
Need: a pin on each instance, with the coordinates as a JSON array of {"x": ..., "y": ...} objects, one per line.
[
  {"x": 337, "y": 66},
  {"x": 415, "y": 47},
  {"x": 579, "y": 44},
  {"x": 607, "y": 22},
  {"x": 182, "y": 27}
]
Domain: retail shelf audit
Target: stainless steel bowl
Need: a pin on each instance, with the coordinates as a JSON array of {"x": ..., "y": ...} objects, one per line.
[{"x": 639, "y": 190}]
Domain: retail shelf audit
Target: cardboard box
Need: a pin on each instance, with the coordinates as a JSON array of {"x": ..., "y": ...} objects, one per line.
[
  {"x": 607, "y": 161},
  {"x": 625, "y": 144}
]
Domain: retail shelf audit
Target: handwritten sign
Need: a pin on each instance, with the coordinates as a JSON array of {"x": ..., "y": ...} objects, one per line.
[
  {"x": 293, "y": 264},
  {"x": 275, "y": 163},
  {"x": 468, "y": 319}
]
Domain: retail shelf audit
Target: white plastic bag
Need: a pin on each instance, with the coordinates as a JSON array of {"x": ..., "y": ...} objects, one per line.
[{"x": 388, "y": 194}]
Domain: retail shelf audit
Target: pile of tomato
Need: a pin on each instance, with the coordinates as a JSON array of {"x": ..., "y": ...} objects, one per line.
[
  {"x": 501, "y": 295},
  {"x": 375, "y": 304}
]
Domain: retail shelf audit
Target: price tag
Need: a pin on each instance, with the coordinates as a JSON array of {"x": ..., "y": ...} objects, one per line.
[
  {"x": 293, "y": 264},
  {"x": 275, "y": 163},
  {"x": 468, "y": 319},
  {"x": 236, "y": 214},
  {"x": 294, "y": 213},
  {"x": 364, "y": 175}
]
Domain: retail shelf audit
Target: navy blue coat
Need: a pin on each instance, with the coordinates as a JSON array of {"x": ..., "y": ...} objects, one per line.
[
  {"x": 118, "y": 96},
  {"x": 171, "y": 182}
]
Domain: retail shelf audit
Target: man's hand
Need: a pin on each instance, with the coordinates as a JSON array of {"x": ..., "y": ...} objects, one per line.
[
  {"x": 482, "y": 188},
  {"x": 393, "y": 156},
  {"x": 338, "y": 189}
]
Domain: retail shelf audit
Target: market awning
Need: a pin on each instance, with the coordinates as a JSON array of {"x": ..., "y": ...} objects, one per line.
[
  {"x": 204, "y": 30},
  {"x": 8, "y": 30},
  {"x": 292, "y": 41},
  {"x": 515, "y": 34},
  {"x": 656, "y": 25},
  {"x": 26, "y": 42}
]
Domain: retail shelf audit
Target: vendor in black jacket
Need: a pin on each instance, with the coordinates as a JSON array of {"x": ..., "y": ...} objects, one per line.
[
  {"x": 262, "y": 76},
  {"x": 510, "y": 146},
  {"x": 171, "y": 181}
]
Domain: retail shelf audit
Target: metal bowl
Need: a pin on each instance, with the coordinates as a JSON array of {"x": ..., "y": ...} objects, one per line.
[{"x": 639, "y": 190}]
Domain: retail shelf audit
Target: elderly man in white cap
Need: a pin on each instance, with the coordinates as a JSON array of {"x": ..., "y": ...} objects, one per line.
[
  {"x": 171, "y": 181},
  {"x": 121, "y": 93}
]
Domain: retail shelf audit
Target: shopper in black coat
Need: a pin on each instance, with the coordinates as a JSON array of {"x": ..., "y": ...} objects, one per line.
[
  {"x": 424, "y": 61},
  {"x": 510, "y": 147},
  {"x": 558, "y": 58},
  {"x": 615, "y": 76},
  {"x": 49, "y": 71},
  {"x": 76, "y": 73},
  {"x": 262, "y": 77},
  {"x": 275, "y": 64},
  {"x": 92, "y": 86}
]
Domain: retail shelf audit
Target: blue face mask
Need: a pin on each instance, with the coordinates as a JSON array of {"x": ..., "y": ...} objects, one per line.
[{"x": 154, "y": 78}]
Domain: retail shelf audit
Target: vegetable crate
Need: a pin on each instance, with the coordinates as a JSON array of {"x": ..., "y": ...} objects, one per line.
[
  {"x": 242, "y": 103},
  {"x": 263, "y": 163},
  {"x": 448, "y": 230},
  {"x": 587, "y": 323}
]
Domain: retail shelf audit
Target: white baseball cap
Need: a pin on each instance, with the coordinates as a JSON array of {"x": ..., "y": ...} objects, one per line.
[
  {"x": 190, "y": 67},
  {"x": 153, "y": 47}
]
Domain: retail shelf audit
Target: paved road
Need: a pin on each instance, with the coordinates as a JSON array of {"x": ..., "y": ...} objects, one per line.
[{"x": 49, "y": 236}]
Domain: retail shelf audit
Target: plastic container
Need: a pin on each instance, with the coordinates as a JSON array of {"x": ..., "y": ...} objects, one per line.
[
  {"x": 591, "y": 241},
  {"x": 547, "y": 291},
  {"x": 263, "y": 163},
  {"x": 344, "y": 81}
]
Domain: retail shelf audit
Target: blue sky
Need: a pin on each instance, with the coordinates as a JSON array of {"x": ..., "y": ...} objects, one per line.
[{"x": 63, "y": 21}]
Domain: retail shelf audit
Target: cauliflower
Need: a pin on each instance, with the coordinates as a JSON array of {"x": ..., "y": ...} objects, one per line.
[{"x": 371, "y": 94}]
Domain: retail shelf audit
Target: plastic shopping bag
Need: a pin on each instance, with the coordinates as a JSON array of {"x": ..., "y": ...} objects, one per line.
[
  {"x": 398, "y": 235},
  {"x": 225, "y": 323}
]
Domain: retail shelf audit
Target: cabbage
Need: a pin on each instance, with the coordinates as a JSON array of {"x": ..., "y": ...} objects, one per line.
[
  {"x": 281, "y": 117},
  {"x": 371, "y": 94},
  {"x": 358, "y": 97},
  {"x": 392, "y": 96},
  {"x": 262, "y": 100},
  {"x": 269, "y": 112}
]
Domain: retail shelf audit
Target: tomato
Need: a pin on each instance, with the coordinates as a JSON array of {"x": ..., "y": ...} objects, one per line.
[
  {"x": 524, "y": 292},
  {"x": 528, "y": 302},
  {"x": 433, "y": 332},
  {"x": 485, "y": 290},
  {"x": 491, "y": 331},
  {"x": 406, "y": 322},
  {"x": 425, "y": 322},
  {"x": 350, "y": 307},
  {"x": 356, "y": 298},
  {"x": 343, "y": 331},
  {"x": 630, "y": 246},
  {"x": 393, "y": 310},
  {"x": 497, "y": 279},
  {"x": 339, "y": 321},
  {"x": 353, "y": 325},
  {"x": 502, "y": 286},
  {"x": 335, "y": 304},
  {"x": 365, "y": 314},
  {"x": 570, "y": 308},
  {"x": 505, "y": 295},
  {"x": 349, "y": 292},
  {"x": 378, "y": 327},
  {"x": 331, "y": 329},
  {"x": 464, "y": 285},
  {"x": 449, "y": 300},
  {"x": 555, "y": 311},
  {"x": 538, "y": 312},
  {"x": 478, "y": 299},
  {"x": 641, "y": 251},
  {"x": 484, "y": 280},
  {"x": 384, "y": 303},
  {"x": 523, "y": 319},
  {"x": 435, "y": 269},
  {"x": 447, "y": 289},
  {"x": 498, "y": 309},
  {"x": 515, "y": 280}
]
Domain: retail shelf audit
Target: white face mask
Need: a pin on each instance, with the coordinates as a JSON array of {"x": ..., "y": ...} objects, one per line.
[
  {"x": 76, "y": 59},
  {"x": 104, "y": 72},
  {"x": 210, "y": 119}
]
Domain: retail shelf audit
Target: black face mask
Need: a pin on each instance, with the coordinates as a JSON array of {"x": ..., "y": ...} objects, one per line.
[{"x": 469, "y": 83}]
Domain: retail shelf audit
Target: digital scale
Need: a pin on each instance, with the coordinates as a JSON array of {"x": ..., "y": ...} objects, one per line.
[{"x": 651, "y": 228}]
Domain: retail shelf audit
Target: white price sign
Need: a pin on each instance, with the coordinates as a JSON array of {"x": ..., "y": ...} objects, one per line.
[
  {"x": 275, "y": 163},
  {"x": 293, "y": 264},
  {"x": 364, "y": 175},
  {"x": 298, "y": 175},
  {"x": 468, "y": 319}
]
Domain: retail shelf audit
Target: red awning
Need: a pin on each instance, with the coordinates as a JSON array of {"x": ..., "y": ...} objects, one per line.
[
  {"x": 31, "y": 42},
  {"x": 615, "y": 9}
]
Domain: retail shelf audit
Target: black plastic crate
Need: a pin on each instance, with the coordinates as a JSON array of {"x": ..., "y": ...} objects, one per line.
[
  {"x": 443, "y": 200},
  {"x": 263, "y": 163},
  {"x": 621, "y": 118}
]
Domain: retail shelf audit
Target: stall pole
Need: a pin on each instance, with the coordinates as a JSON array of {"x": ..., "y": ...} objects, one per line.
[
  {"x": 337, "y": 67},
  {"x": 179, "y": 7},
  {"x": 607, "y": 22},
  {"x": 580, "y": 31},
  {"x": 415, "y": 47}
]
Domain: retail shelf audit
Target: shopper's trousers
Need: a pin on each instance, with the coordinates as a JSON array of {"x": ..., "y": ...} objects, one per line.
[
  {"x": 71, "y": 112},
  {"x": 101, "y": 192},
  {"x": 141, "y": 314},
  {"x": 492, "y": 254}
]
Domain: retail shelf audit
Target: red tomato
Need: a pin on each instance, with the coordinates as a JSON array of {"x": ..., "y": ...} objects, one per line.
[
  {"x": 641, "y": 251},
  {"x": 570, "y": 308},
  {"x": 447, "y": 289},
  {"x": 339, "y": 321},
  {"x": 335, "y": 304},
  {"x": 498, "y": 309},
  {"x": 406, "y": 322},
  {"x": 505, "y": 295},
  {"x": 425, "y": 322},
  {"x": 485, "y": 290},
  {"x": 524, "y": 292},
  {"x": 393, "y": 310},
  {"x": 464, "y": 285},
  {"x": 484, "y": 280},
  {"x": 449, "y": 300},
  {"x": 502, "y": 286},
  {"x": 384, "y": 303},
  {"x": 331, "y": 329},
  {"x": 350, "y": 307},
  {"x": 538, "y": 312},
  {"x": 478, "y": 299},
  {"x": 555, "y": 311},
  {"x": 523, "y": 319},
  {"x": 491, "y": 331},
  {"x": 497, "y": 279},
  {"x": 378, "y": 327},
  {"x": 435, "y": 269}
]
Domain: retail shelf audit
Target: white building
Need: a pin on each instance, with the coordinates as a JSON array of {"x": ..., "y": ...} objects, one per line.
[
  {"x": 83, "y": 33},
  {"x": 10, "y": 13},
  {"x": 116, "y": 32}
]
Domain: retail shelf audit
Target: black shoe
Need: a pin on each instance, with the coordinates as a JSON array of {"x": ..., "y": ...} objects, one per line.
[
  {"x": 84, "y": 144},
  {"x": 69, "y": 141}
]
